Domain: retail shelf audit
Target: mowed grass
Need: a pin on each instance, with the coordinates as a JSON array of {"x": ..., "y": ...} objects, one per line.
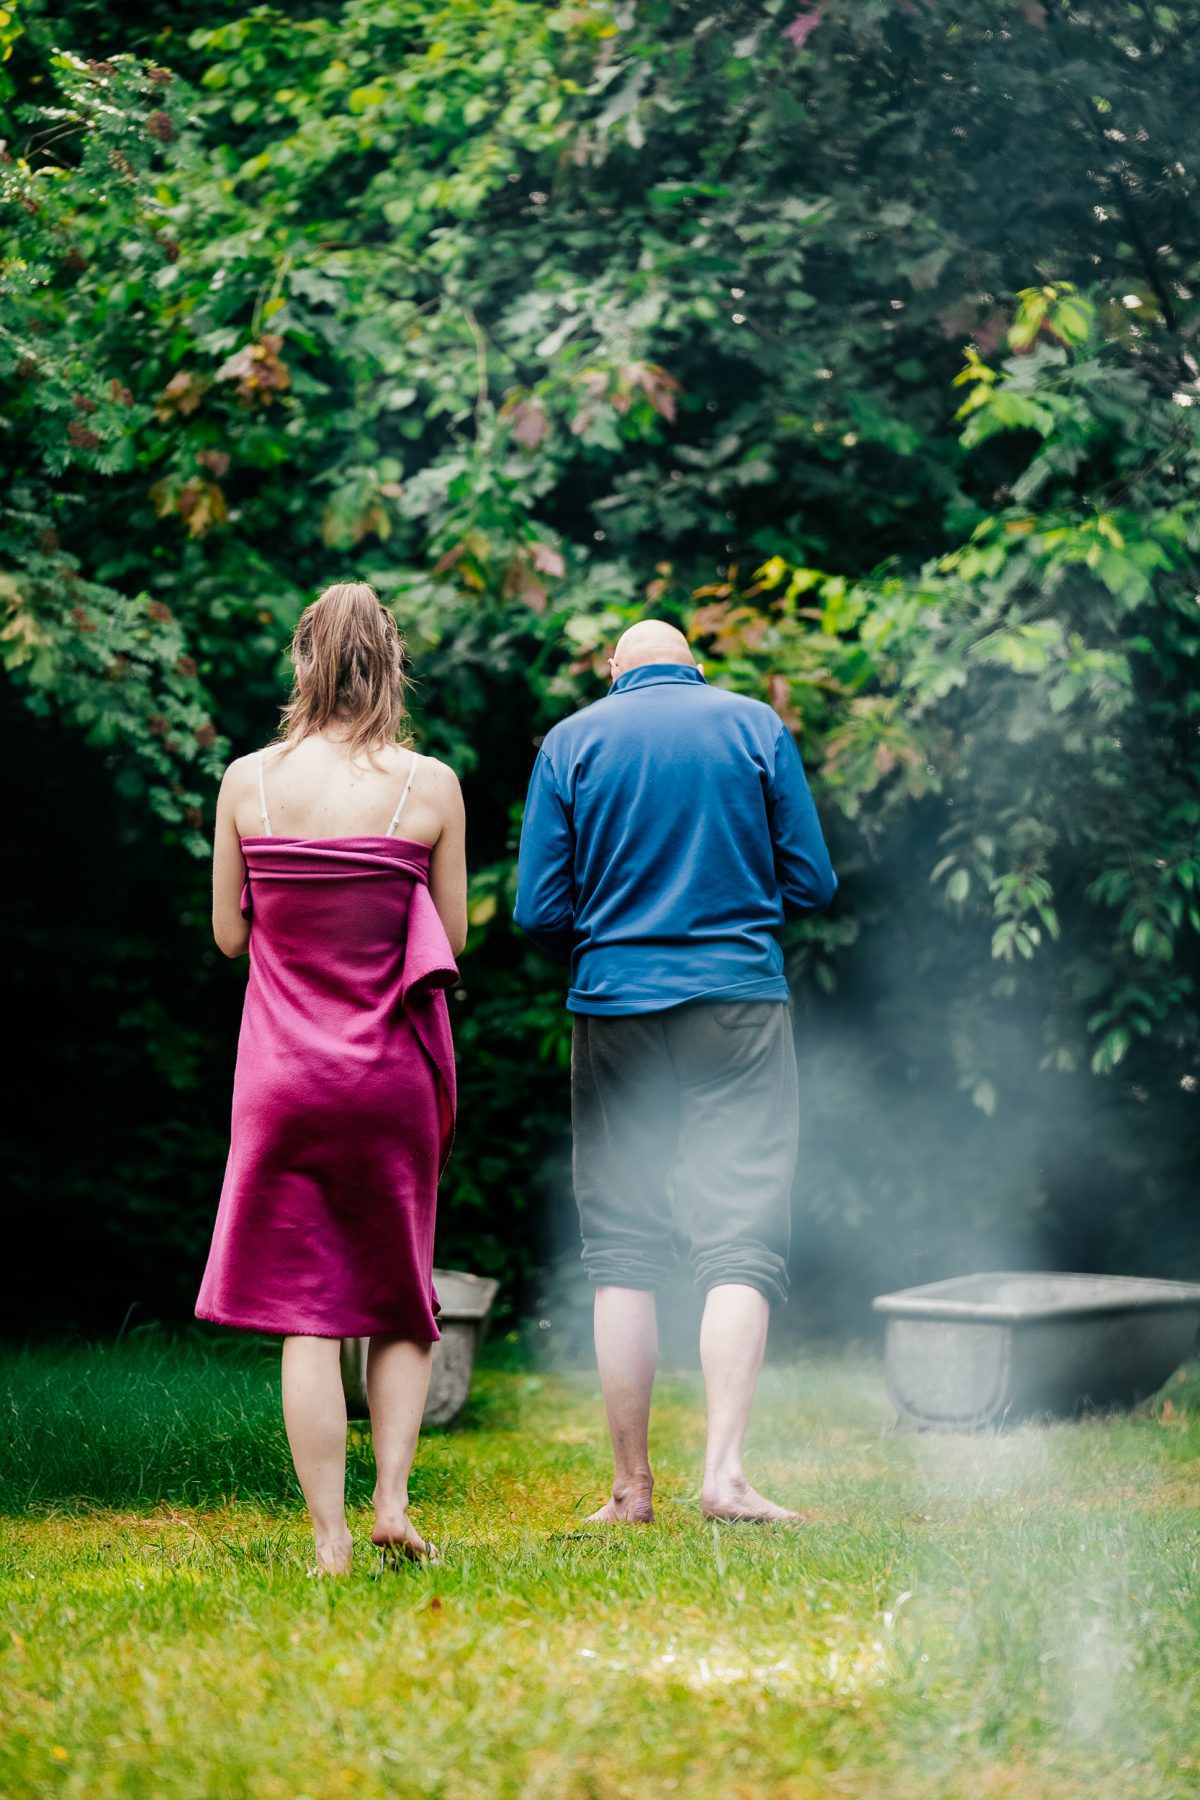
[{"x": 1012, "y": 1615}]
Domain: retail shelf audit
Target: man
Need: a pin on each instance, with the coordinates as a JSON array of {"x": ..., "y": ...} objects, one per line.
[{"x": 668, "y": 833}]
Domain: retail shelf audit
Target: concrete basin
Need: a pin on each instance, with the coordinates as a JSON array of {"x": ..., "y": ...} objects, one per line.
[
  {"x": 466, "y": 1301},
  {"x": 994, "y": 1348}
]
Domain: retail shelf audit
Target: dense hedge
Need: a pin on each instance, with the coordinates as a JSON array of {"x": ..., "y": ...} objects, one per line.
[{"x": 859, "y": 340}]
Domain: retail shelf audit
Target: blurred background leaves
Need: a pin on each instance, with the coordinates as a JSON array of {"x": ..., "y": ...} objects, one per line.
[{"x": 861, "y": 341}]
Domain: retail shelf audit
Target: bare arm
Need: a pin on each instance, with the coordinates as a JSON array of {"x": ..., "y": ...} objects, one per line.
[
  {"x": 448, "y": 861},
  {"x": 230, "y": 929}
]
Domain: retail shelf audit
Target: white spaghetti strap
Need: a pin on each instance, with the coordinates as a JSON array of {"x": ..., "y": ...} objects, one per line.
[
  {"x": 262, "y": 794},
  {"x": 412, "y": 769}
]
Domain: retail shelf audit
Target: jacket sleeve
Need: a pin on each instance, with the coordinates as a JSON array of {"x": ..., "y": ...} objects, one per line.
[
  {"x": 545, "y": 906},
  {"x": 802, "y": 866}
]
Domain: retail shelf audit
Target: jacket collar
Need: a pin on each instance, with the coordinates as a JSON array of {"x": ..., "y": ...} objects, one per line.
[{"x": 655, "y": 675}]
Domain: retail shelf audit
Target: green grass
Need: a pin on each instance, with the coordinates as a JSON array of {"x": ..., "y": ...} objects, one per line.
[{"x": 1004, "y": 1616}]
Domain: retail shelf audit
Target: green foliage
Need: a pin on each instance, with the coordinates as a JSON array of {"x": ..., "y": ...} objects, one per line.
[
  {"x": 1040, "y": 680},
  {"x": 542, "y": 317}
]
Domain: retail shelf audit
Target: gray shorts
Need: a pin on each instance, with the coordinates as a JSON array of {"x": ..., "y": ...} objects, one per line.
[{"x": 703, "y": 1099}]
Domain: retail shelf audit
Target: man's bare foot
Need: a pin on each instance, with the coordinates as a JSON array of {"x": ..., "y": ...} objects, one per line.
[
  {"x": 396, "y": 1536},
  {"x": 335, "y": 1555},
  {"x": 738, "y": 1500},
  {"x": 630, "y": 1505}
]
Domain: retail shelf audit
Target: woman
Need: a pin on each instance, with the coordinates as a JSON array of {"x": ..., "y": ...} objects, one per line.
[{"x": 343, "y": 1097}]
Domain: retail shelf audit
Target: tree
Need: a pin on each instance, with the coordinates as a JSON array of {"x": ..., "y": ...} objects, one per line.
[{"x": 541, "y": 317}]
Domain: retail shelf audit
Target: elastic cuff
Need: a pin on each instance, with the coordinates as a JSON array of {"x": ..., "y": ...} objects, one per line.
[
  {"x": 772, "y": 1286},
  {"x": 614, "y": 1271},
  {"x": 634, "y": 1283}
]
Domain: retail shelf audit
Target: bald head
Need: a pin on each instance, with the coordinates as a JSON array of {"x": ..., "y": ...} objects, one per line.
[{"x": 650, "y": 641}]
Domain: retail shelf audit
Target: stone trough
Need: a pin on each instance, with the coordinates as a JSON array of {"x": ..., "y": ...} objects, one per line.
[
  {"x": 466, "y": 1301},
  {"x": 992, "y": 1349}
]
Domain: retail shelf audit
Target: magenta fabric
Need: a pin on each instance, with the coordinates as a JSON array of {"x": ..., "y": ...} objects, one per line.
[{"x": 343, "y": 1096}]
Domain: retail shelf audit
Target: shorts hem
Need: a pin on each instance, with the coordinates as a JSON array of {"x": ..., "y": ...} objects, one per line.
[
  {"x": 642, "y": 1284},
  {"x": 773, "y": 1292}
]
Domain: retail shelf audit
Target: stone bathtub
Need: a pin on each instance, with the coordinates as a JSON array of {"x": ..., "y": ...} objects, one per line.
[
  {"x": 989, "y": 1349},
  {"x": 466, "y": 1301}
]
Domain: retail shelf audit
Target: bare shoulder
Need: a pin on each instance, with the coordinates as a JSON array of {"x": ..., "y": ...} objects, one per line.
[
  {"x": 439, "y": 787},
  {"x": 241, "y": 776},
  {"x": 438, "y": 776}
]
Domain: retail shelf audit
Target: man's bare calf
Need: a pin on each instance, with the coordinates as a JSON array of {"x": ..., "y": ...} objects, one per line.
[
  {"x": 733, "y": 1336},
  {"x": 626, "y": 1328}
]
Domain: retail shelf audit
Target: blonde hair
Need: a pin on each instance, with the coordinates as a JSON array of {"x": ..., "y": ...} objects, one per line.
[{"x": 349, "y": 661}]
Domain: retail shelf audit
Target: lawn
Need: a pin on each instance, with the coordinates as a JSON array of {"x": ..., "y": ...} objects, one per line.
[{"x": 1009, "y": 1615}]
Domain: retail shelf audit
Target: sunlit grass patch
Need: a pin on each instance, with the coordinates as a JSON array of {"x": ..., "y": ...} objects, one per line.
[{"x": 1003, "y": 1615}]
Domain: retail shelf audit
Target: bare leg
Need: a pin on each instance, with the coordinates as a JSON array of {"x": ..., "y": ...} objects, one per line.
[
  {"x": 314, "y": 1413},
  {"x": 397, "y": 1384},
  {"x": 626, "y": 1326},
  {"x": 733, "y": 1337}
]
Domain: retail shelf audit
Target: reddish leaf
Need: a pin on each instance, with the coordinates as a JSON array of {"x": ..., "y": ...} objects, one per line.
[
  {"x": 532, "y": 593},
  {"x": 658, "y": 386},
  {"x": 547, "y": 560},
  {"x": 182, "y": 394},
  {"x": 258, "y": 369},
  {"x": 802, "y": 28},
  {"x": 779, "y": 691},
  {"x": 530, "y": 424}
]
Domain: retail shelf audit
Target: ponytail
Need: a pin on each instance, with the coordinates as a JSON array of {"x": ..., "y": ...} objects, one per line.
[{"x": 349, "y": 662}]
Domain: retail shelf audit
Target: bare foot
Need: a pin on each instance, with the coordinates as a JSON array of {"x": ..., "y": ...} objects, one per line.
[
  {"x": 630, "y": 1505},
  {"x": 396, "y": 1536},
  {"x": 335, "y": 1555},
  {"x": 738, "y": 1500}
]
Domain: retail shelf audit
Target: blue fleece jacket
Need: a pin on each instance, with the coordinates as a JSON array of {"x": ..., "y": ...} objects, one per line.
[{"x": 669, "y": 831}]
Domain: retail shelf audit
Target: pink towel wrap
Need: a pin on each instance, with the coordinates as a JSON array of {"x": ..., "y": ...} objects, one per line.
[{"x": 343, "y": 1096}]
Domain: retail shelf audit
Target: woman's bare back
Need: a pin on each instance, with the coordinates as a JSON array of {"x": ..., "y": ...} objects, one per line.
[{"x": 315, "y": 789}]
